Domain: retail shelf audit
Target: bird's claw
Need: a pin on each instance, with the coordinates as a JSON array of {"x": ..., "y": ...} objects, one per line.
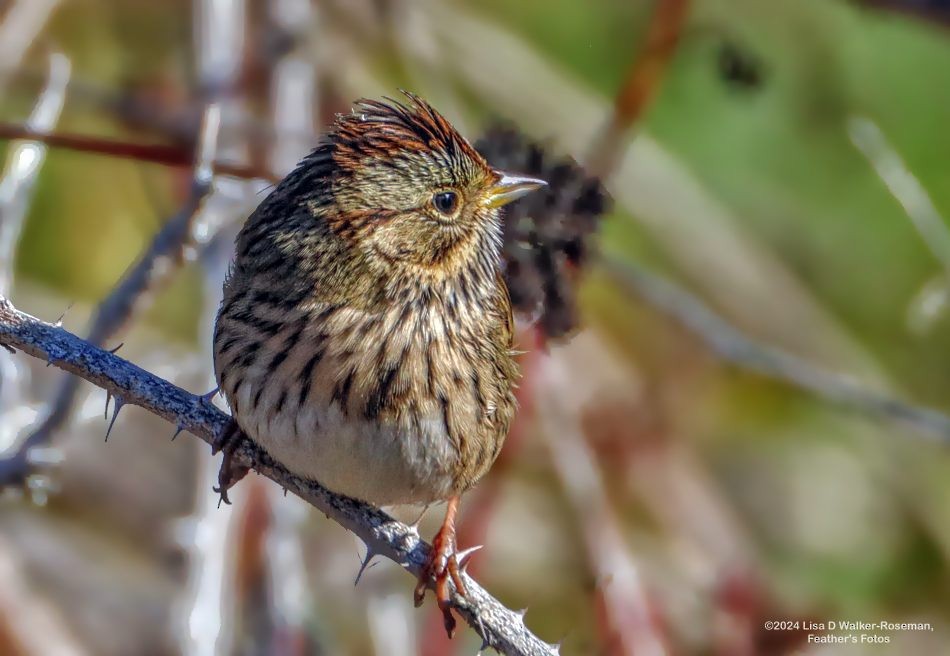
[
  {"x": 230, "y": 473},
  {"x": 228, "y": 437},
  {"x": 444, "y": 565}
]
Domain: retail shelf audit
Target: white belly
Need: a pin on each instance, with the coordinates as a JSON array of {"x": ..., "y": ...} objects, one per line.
[{"x": 382, "y": 463}]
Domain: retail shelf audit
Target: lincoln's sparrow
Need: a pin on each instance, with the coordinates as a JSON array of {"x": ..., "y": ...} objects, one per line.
[{"x": 365, "y": 336}]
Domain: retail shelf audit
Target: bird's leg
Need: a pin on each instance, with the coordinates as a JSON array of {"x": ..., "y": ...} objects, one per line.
[
  {"x": 443, "y": 564},
  {"x": 229, "y": 474}
]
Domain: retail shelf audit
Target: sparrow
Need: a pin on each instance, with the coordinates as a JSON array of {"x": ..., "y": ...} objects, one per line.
[{"x": 365, "y": 337}]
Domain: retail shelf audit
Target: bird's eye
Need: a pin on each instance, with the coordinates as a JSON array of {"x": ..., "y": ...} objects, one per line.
[{"x": 446, "y": 201}]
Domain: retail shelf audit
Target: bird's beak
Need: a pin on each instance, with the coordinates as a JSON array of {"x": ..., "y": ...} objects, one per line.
[{"x": 510, "y": 188}]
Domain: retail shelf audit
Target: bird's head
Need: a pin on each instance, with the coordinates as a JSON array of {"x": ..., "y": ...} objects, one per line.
[{"x": 409, "y": 191}]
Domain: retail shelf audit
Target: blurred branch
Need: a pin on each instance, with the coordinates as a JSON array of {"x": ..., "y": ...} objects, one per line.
[
  {"x": 216, "y": 595},
  {"x": 416, "y": 48},
  {"x": 295, "y": 95},
  {"x": 730, "y": 344},
  {"x": 499, "y": 627},
  {"x": 29, "y": 624},
  {"x": 933, "y": 299},
  {"x": 295, "y": 105},
  {"x": 208, "y": 599},
  {"x": 641, "y": 84},
  {"x": 160, "y": 260},
  {"x": 390, "y": 625},
  {"x": 21, "y": 25},
  {"x": 24, "y": 161},
  {"x": 628, "y": 615},
  {"x": 165, "y": 155},
  {"x": 867, "y": 137}
]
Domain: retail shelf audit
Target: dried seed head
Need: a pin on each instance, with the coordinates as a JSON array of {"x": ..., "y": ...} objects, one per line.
[{"x": 547, "y": 234}]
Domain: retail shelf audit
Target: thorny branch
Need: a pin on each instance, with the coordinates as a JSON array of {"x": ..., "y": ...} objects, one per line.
[
  {"x": 153, "y": 267},
  {"x": 499, "y": 627}
]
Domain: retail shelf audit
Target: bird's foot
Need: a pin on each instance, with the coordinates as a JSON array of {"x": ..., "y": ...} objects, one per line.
[
  {"x": 443, "y": 566},
  {"x": 230, "y": 473}
]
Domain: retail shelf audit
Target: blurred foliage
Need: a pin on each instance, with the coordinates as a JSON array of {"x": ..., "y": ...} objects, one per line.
[{"x": 778, "y": 153}]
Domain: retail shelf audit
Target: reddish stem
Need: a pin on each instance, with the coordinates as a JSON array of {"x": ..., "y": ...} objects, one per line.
[
  {"x": 165, "y": 155},
  {"x": 642, "y": 82}
]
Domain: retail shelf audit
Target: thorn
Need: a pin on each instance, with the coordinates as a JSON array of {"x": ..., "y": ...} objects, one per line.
[
  {"x": 208, "y": 396},
  {"x": 115, "y": 414},
  {"x": 59, "y": 322},
  {"x": 481, "y": 632},
  {"x": 463, "y": 557},
  {"x": 113, "y": 350},
  {"x": 285, "y": 491},
  {"x": 370, "y": 554},
  {"x": 105, "y": 412},
  {"x": 10, "y": 349},
  {"x": 179, "y": 427},
  {"x": 414, "y": 526}
]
